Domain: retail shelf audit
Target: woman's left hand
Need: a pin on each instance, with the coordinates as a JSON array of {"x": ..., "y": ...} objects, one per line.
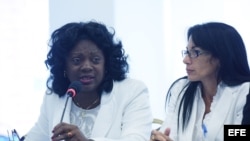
[
  {"x": 159, "y": 136},
  {"x": 67, "y": 132}
]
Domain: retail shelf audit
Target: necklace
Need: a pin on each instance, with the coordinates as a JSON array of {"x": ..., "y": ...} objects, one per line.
[{"x": 77, "y": 104}]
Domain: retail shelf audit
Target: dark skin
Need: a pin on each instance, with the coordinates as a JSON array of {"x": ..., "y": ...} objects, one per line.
[{"x": 85, "y": 63}]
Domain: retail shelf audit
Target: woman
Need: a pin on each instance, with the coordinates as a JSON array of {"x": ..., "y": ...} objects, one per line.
[
  {"x": 214, "y": 91},
  {"x": 109, "y": 106}
]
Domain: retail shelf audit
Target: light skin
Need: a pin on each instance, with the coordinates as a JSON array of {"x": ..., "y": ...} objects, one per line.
[
  {"x": 85, "y": 63},
  {"x": 204, "y": 68},
  {"x": 159, "y": 136}
]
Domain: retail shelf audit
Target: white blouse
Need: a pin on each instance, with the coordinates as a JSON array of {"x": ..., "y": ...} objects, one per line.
[
  {"x": 226, "y": 108},
  {"x": 84, "y": 119}
]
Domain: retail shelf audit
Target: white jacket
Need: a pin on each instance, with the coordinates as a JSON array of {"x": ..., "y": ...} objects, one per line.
[
  {"x": 124, "y": 115},
  {"x": 226, "y": 108}
]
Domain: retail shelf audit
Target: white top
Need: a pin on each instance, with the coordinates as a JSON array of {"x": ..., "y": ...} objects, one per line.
[
  {"x": 84, "y": 119},
  {"x": 124, "y": 114},
  {"x": 226, "y": 108}
]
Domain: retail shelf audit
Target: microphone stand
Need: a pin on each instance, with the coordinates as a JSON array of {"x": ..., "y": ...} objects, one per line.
[{"x": 64, "y": 108}]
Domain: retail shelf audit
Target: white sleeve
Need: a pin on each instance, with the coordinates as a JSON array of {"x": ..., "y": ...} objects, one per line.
[{"x": 172, "y": 108}]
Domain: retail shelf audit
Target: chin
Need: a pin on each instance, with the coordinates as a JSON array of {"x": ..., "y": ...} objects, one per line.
[{"x": 190, "y": 78}]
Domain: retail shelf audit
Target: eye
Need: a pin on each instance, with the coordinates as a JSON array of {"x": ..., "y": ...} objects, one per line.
[
  {"x": 75, "y": 60},
  {"x": 197, "y": 51},
  {"x": 96, "y": 60}
]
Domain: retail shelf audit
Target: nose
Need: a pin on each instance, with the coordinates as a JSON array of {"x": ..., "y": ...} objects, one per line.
[
  {"x": 86, "y": 66},
  {"x": 186, "y": 59}
]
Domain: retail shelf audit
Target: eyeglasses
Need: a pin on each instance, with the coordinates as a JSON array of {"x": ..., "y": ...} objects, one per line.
[{"x": 192, "y": 53}]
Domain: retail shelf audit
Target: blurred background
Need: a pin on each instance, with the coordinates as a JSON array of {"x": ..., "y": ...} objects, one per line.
[{"x": 153, "y": 34}]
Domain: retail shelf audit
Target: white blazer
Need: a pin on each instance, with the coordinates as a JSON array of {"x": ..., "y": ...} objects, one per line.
[
  {"x": 124, "y": 115},
  {"x": 226, "y": 108}
]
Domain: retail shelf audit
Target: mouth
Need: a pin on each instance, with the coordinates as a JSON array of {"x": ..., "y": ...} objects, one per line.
[
  {"x": 189, "y": 71},
  {"x": 87, "y": 79}
]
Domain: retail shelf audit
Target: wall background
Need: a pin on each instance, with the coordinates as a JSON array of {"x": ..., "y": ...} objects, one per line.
[{"x": 153, "y": 34}]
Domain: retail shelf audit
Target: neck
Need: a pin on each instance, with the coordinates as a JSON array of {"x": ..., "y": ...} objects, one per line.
[
  {"x": 208, "y": 92},
  {"x": 209, "y": 88},
  {"x": 89, "y": 102}
]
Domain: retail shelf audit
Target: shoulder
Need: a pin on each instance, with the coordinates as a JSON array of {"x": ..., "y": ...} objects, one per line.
[
  {"x": 129, "y": 88},
  {"x": 240, "y": 92},
  {"x": 179, "y": 84},
  {"x": 130, "y": 83},
  {"x": 176, "y": 89},
  {"x": 239, "y": 89},
  {"x": 245, "y": 85},
  {"x": 52, "y": 99},
  {"x": 237, "y": 94}
]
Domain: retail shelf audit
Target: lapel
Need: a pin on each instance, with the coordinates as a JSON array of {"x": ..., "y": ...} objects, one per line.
[
  {"x": 221, "y": 112},
  {"x": 105, "y": 116},
  {"x": 59, "y": 110}
]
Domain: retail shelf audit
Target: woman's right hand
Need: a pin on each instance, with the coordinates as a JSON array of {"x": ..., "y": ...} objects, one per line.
[{"x": 159, "y": 136}]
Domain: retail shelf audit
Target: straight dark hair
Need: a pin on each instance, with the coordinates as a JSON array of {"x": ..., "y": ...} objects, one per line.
[{"x": 224, "y": 43}]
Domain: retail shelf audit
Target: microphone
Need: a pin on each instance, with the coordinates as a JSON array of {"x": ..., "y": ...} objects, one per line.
[{"x": 73, "y": 89}]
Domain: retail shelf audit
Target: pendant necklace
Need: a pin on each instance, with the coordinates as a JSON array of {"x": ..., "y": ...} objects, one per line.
[{"x": 84, "y": 110}]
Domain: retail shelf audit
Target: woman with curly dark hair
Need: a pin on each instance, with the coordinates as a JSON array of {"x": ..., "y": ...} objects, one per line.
[{"x": 105, "y": 105}]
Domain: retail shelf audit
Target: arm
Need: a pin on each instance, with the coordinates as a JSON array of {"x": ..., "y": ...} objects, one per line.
[
  {"x": 172, "y": 104},
  {"x": 40, "y": 131}
]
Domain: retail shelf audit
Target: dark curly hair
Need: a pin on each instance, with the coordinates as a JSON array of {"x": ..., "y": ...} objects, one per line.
[{"x": 64, "y": 39}]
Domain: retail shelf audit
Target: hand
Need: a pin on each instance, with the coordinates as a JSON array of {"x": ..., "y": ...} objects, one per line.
[
  {"x": 159, "y": 136},
  {"x": 67, "y": 132}
]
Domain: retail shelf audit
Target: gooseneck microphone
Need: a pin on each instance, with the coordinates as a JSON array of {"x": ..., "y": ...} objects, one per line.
[{"x": 73, "y": 89}]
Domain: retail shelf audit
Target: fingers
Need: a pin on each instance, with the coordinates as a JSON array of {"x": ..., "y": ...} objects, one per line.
[
  {"x": 158, "y": 136},
  {"x": 69, "y": 134},
  {"x": 152, "y": 138},
  {"x": 63, "y": 131},
  {"x": 167, "y": 131}
]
